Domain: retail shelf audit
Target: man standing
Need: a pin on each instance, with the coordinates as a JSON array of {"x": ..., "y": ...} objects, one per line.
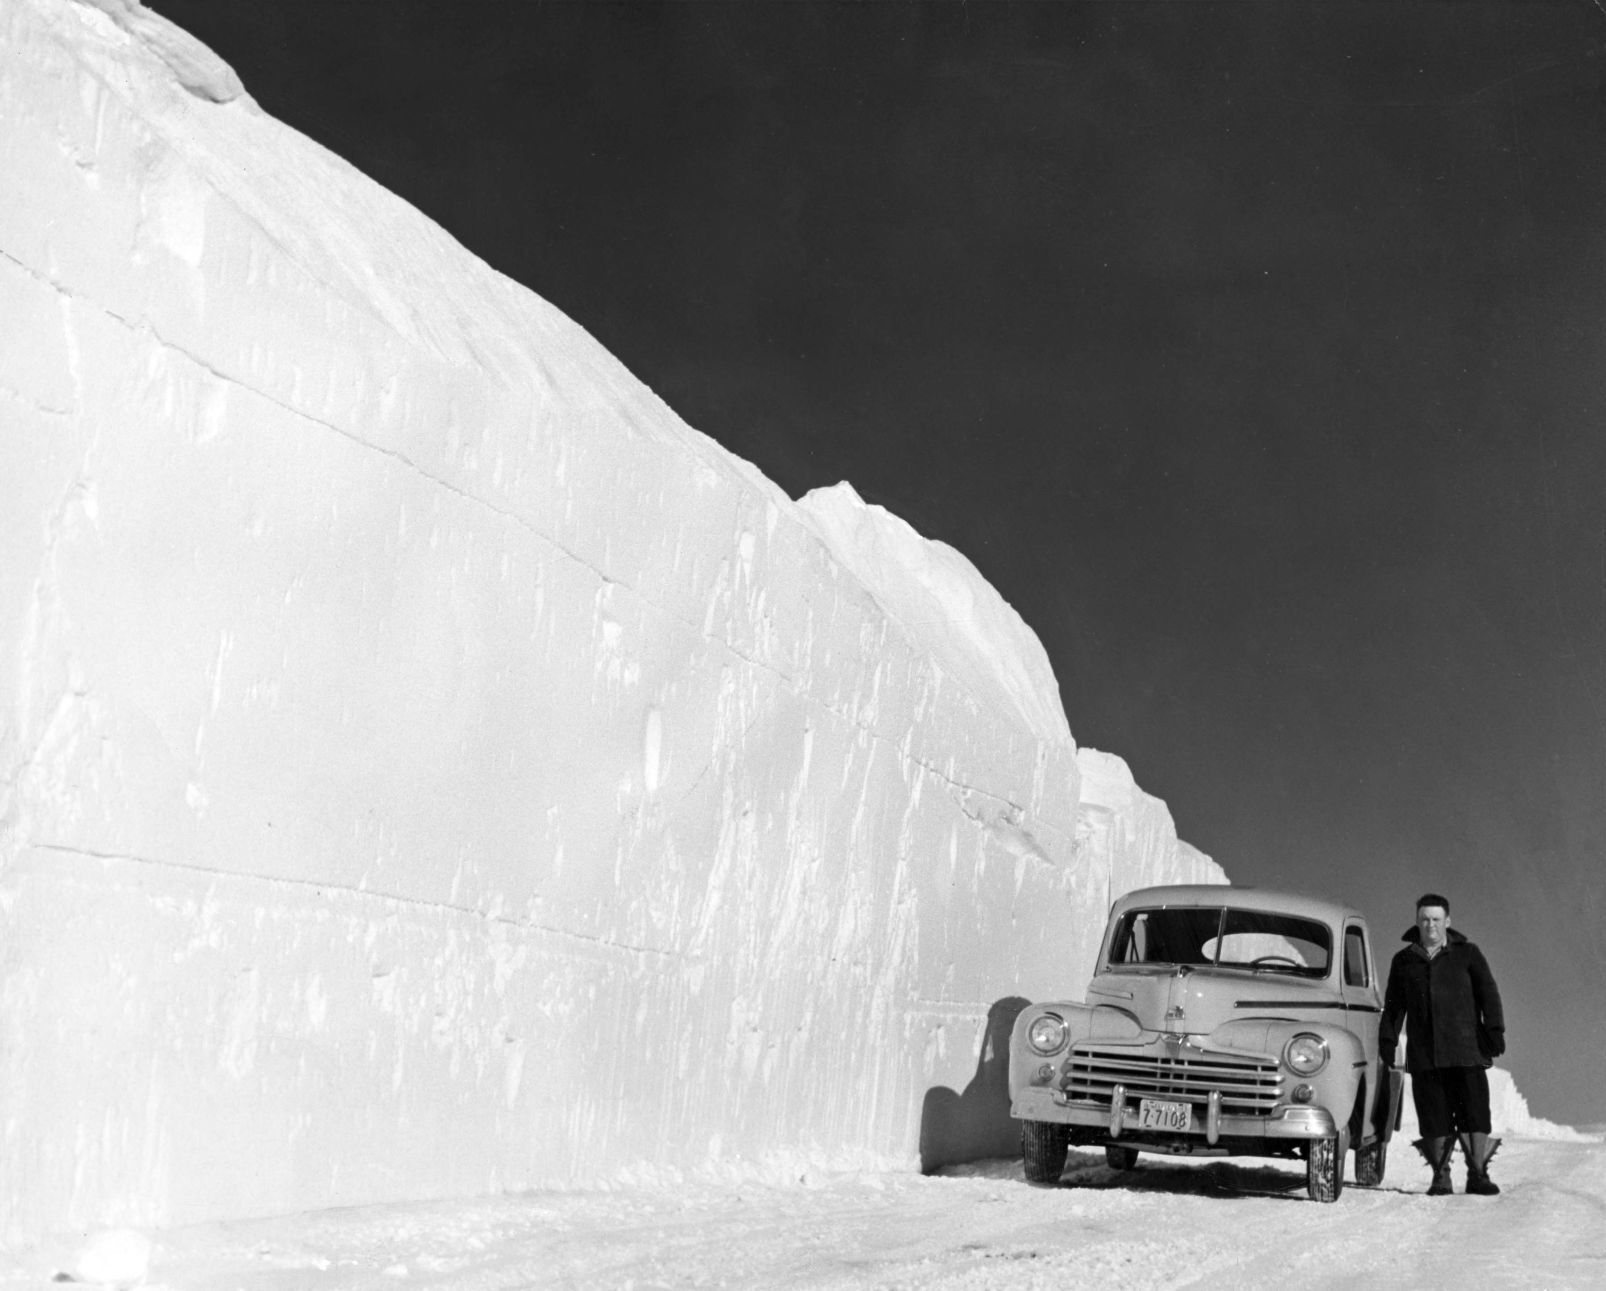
[{"x": 1441, "y": 987}]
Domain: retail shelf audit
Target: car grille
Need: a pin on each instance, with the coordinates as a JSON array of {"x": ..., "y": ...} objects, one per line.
[{"x": 1249, "y": 1086}]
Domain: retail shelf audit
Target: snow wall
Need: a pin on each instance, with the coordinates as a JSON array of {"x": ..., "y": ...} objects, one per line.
[{"x": 430, "y": 767}]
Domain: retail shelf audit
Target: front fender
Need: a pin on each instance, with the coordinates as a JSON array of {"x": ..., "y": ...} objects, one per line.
[
  {"x": 1082, "y": 1022},
  {"x": 1334, "y": 1086}
]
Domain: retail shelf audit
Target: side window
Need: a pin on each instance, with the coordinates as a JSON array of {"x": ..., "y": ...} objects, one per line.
[{"x": 1354, "y": 957}]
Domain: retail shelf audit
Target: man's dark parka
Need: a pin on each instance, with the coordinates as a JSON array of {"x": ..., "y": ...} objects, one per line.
[{"x": 1450, "y": 1005}]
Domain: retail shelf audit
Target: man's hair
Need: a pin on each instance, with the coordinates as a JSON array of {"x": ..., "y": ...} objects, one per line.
[{"x": 1433, "y": 898}]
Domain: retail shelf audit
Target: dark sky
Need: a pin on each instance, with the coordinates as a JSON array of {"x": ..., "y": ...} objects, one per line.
[{"x": 1255, "y": 352}]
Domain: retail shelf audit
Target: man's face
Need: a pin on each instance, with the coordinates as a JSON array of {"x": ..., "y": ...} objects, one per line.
[{"x": 1432, "y": 923}]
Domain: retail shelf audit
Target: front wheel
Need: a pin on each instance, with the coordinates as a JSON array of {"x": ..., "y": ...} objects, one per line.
[
  {"x": 1370, "y": 1163},
  {"x": 1043, "y": 1145},
  {"x": 1324, "y": 1167}
]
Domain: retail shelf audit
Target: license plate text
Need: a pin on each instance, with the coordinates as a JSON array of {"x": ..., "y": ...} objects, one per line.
[{"x": 1153, "y": 1114}]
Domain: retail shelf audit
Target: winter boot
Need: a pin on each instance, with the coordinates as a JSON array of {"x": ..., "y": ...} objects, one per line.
[
  {"x": 1436, "y": 1152},
  {"x": 1480, "y": 1150}
]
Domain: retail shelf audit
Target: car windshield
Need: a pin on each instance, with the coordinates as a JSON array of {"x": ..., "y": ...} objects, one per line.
[{"x": 1218, "y": 937}]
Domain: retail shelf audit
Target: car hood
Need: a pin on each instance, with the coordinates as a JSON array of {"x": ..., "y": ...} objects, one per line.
[{"x": 1195, "y": 1001}]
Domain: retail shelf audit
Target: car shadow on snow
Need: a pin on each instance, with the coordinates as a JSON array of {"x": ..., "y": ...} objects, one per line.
[
  {"x": 1212, "y": 1177},
  {"x": 1086, "y": 1169},
  {"x": 1174, "y": 1176},
  {"x": 975, "y": 1125}
]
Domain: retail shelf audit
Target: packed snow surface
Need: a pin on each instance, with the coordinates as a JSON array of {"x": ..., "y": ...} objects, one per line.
[
  {"x": 1234, "y": 1224},
  {"x": 427, "y": 766}
]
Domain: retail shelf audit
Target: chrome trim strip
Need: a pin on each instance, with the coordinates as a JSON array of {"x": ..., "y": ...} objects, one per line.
[
  {"x": 1290, "y": 1004},
  {"x": 1193, "y": 1066},
  {"x": 1290, "y": 1123}
]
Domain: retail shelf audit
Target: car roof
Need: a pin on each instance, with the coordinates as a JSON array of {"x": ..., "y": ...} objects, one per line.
[{"x": 1241, "y": 898}]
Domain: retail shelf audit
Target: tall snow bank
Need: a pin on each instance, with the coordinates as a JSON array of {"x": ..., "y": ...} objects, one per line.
[
  {"x": 944, "y": 606},
  {"x": 429, "y": 767},
  {"x": 1126, "y": 834}
]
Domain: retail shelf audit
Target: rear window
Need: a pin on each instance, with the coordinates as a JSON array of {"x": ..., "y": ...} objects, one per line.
[{"x": 1220, "y": 937}]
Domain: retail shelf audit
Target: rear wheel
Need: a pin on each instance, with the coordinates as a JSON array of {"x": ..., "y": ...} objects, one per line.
[
  {"x": 1370, "y": 1163},
  {"x": 1324, "y": 1167},
  {"x": 1042, "y": 1150},
  {"x": 1120, "y": 1158}
]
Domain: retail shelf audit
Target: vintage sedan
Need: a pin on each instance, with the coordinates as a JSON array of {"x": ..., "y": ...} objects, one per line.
[{"x": 1220, "y": 1021}]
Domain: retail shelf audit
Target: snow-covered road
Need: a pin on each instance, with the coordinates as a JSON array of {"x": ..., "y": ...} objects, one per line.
[{"x": 1222, "y": 1224}]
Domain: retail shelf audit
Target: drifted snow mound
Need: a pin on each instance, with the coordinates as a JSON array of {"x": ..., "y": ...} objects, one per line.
[
  {"x": 194, "y": 66},
  {"x": 429, "y": 767}
]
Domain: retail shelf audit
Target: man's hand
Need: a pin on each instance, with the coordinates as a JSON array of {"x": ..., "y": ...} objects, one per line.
[{"x": 1497, "y": 1042}]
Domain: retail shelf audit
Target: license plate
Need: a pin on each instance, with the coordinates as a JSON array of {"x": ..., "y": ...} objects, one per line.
[{"x": 1153, "y": 1114}]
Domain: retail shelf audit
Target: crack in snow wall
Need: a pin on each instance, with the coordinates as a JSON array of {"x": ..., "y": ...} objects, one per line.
[{"x": 428, "y": 767}]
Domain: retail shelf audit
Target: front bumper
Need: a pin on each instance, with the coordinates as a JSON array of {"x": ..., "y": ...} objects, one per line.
[{"x": 1119, "y": 1115}]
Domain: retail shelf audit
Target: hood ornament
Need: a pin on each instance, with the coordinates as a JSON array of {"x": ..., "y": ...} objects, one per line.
[{"x": 1176, "y": 1024}]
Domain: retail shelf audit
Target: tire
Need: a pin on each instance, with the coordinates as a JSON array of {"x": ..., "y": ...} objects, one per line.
[
  {"x": 1043, "y": 1145},
  {"x": 1370, "y": 1162},
  {"x": 1324, "y": 1167},
  {"x": 1120, "y": 1158}
]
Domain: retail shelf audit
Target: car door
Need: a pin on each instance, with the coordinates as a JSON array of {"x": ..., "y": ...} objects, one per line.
[{"x": 1363, "y": 1009}]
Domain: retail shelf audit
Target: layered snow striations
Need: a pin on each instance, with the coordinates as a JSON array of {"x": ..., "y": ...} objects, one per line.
[{"x": 429, "y": 767}]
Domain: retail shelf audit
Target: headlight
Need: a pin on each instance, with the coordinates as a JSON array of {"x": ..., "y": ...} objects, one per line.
[
  {"x": 1306, "y": 1054},
  {"x": 1046, "y": 1033}
]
